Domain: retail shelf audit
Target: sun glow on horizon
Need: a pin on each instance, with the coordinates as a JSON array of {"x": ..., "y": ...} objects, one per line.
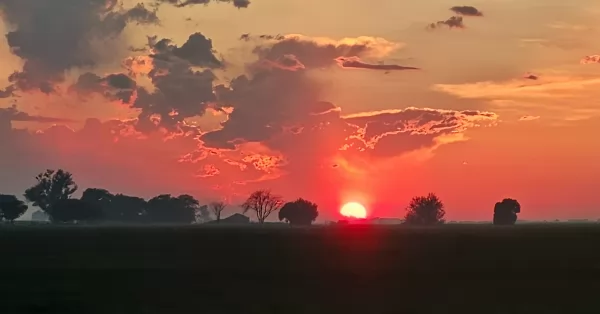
[{"x": 353, "y": 210}]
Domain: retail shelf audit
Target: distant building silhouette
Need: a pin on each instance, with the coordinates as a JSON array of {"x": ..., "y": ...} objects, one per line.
[
  {"x": 370, "y": 221},
  {"x": 386, "y": 221},
  {"x": 39, "y": 216},
  {"x": 235, "y": 219}
]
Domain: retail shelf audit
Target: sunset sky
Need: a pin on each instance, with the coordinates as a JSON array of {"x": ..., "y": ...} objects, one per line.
[{"x": 334, "y": 101}]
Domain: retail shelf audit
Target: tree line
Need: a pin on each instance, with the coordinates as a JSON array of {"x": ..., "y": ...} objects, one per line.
[{"x": 53, "y": 194}]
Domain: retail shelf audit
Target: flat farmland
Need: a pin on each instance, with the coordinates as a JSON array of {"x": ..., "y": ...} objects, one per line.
[{"x": 553, "y": 268}]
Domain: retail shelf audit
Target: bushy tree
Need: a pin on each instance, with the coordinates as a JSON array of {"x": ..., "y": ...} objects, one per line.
[
  {"x": 299, "y": 212},
  {"x": 11, "y": 208},
  {"x": 505, "y": 212},
  {"x": 263, "y": 203},
  {"x": 168, "y": 209},
  {"x": 117, "y": 208},
  {"x": 51, "y": 187},
  {"x": 100, "y": 197},
  {"x": 75, "y": 210},
  {"x": 126, "y": 208},
  {"x": 425, "y": 210}
]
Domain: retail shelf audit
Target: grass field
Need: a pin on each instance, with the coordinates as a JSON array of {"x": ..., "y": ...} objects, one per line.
[{"x": 335, "y": 269}]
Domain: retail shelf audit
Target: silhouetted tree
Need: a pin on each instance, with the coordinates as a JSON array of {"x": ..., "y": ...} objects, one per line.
[
  {"x": 167, "y": 209},
  {"x": 99, "y": 197},
  {"x": 299, "y": 212},
  {"x": 75, "y": 210},
  {"x": 505, "y": 212},
  {"x": 11, "y": 208},
  {"x": 116, "y": 208},
  {"x": 39, "y": 215},
  {"x": 125, "y": 208},
  {"x": 216, "y": 208},
  {"x": 51, "y": 186},
  {"x": 263, "y": 203},
  {"x": 203, "y": 214},
  {"x": 425, "y": 210}
]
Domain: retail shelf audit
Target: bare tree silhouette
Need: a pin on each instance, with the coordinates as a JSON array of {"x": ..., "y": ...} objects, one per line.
[
  {"x": 263, "y": 203},
  {"x": 216, "y": 208}
]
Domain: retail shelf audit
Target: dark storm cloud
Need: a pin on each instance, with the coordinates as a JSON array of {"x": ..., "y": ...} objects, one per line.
[
  {"x": 280, "y": 97},
  {"x": 88, "y": 83},
  {"x": 283, "y": 110},
  {"x": 7, "y": 92},
  {"x": 180, "y": 90},
  {"x": 113, "y": 86},
  {"x": 120, "y": 81},
  {"x": 197, "y": 50},
  {"x": 311, "y": 53},
  {"x": 55, "y": 36},
  {"x": 452, "y": 22},
  {"x": 263, "y": 105},
  {"x": 355, "y": 62},
  {"x": 466, "y": 10},
  {"x": 530, "y": 76},
  {"x": 142, "y": 15},
  {"x": 183, "y": 3},
  {"x": 35, "y": 76},
  {"x": 180, "y": 93},
  {"x": 13, "y": 114},
  {"x": 378, "y": 134},
  {"x": 272, "y": 93}
]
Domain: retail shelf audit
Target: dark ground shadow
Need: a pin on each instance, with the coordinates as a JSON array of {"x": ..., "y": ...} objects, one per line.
[{"x": 352, "y": 269}]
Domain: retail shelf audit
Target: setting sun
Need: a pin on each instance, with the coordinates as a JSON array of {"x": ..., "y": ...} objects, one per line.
[{"x": 353, "y": 210}]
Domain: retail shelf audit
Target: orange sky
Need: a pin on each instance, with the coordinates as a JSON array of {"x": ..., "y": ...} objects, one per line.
[{"x": 500, "y": 107}]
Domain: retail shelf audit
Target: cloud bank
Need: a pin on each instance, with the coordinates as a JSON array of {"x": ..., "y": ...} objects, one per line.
[
  {"x": 52, "y": 37},
  {"x": 275, "y": 123}
]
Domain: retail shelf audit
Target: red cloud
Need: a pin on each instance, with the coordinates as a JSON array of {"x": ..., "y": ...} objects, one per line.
[
  {"x": 279, "y": 128},
  {"x": 590, "y": 59}
]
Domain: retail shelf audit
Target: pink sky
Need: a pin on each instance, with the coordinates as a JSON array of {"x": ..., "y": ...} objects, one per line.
[{"x": 363, "y": 104}]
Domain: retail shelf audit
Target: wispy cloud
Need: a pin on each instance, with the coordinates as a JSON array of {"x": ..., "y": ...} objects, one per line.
[
  {"x": 590, "y": 59},
  {"x": 13, "y": 114},
  {"x": 529, "y": 118},
  {"x": 466, "y": 10},
  {"x": 452, "y": 22},
  {"x": 356, "y": 62},
  {"x": 557, "y": 96}
]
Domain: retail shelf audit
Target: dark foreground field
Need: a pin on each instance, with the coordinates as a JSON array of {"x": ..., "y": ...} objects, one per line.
[{"x": 349, "y": 269}]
